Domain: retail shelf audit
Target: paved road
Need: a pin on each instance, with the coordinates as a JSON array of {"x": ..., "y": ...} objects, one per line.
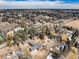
[{"x": 3, "y": 45}]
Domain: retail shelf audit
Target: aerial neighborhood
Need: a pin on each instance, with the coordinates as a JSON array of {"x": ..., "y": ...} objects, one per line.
[{"x": 39, "y": 34}]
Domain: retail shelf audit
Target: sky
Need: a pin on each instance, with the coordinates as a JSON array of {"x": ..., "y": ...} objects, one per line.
[{"x": 39, "y": 4}]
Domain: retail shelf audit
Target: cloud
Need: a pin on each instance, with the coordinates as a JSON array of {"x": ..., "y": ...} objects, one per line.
[
  {"x": 29, "y": 0},
  {"x": 57, "y": 4}
]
